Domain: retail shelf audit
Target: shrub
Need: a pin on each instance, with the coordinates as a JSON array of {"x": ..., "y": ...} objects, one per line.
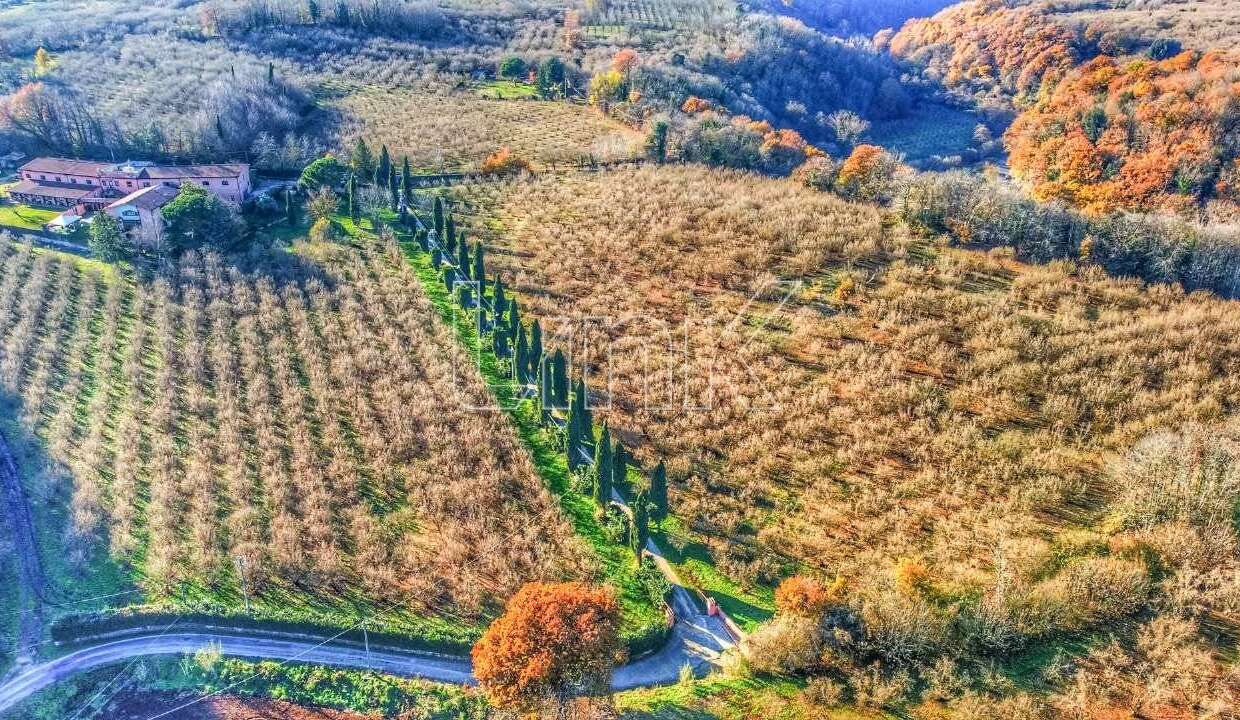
[{"x": 789, "y": 645}]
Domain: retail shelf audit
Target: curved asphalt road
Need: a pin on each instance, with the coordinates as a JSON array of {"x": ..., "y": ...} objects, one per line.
[{"x": 696, "y": 641}]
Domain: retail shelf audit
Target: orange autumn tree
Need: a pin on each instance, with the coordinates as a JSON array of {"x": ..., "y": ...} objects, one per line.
[
  {"x": 504, "y": 162},
  {"x": 554, "y": 642},
  {"x": 808, "y": 597},
  {"x": 1134, "y": 135},
  {"x": 981, "y": 46}
]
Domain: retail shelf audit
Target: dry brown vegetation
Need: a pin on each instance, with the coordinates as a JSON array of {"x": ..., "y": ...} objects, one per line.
[
  {"x": 1201, "y": 24},
  {"x": 911, "y": 401},
  {"x": 454, "y": 131},
  {"x": 299, "y": 411}
]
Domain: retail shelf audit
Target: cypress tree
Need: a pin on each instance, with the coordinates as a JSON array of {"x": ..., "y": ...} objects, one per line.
[
  {"x": 450, "y": 229},
  {"x": 271, "y": 73},
  {"x": 658, "y": 491},
  {"x": 462, "y": 260},
  {"x": 587, "y": 415},
  {"x": 352, "y": 187},
  {"x": 520, "y": 359},
  {"x": 559, "y": 381},
  {"x": 602, "y": 468},
  {"x": 499, "y": 304},
  {"x": 499, "y": 341},
  {"x": 545, "y": 397},
  {"x": 406, "y": 182},
  {"x": 449, "y": 277},
  {"x": 439, "y": 217},
  {"x": 383, "y": 168},
  {"x": 480, "y": 271},
  {"x": 465, "y": 296},
  {"x": 572, "y": 446},
  {"x": 514, "y": 320},
  {"x": 436, "y": 258},
  {"x": 393, "y": 189},
  {"x": 420, "y": 237},
  {"x": 620, "y": 469},
  {"x": 641, "y": 525},
  {"x": 290, "y": 207},
  {"x": 536, "y": 345}
]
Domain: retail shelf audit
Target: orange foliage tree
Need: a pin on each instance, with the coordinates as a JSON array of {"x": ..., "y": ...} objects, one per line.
[
  {"x": 553, "y": 642},
  {"x": 624, "y": 60},
  {"x": 1134, "y": 135}
]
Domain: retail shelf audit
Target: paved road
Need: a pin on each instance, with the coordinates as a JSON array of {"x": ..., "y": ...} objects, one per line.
[{"x": 696, "y": 641}]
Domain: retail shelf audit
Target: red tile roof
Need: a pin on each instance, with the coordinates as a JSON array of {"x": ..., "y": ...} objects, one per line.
[
  {"x": 51, "y": 190},
  {"x": 64, "y": 166}
]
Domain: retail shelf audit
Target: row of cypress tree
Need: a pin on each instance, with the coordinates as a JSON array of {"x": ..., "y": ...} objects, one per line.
[{"x": 545, "y": 375}]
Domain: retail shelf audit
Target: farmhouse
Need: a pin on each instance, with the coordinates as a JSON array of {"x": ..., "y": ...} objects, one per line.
[{"x": 85, "y": 185}]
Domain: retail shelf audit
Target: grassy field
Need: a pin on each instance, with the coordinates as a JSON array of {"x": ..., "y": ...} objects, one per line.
[
  {"x": 507, "y": 90},
  {"x": 24, "y": 217}
]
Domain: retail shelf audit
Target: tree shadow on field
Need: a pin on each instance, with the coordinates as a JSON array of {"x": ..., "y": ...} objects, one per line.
[{"x": 69, "y": 574}]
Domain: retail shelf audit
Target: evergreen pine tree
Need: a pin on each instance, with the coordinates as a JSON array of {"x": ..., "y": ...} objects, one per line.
[
  {"x": 559, "y": 381},
  {"x": 362, "y": 162},
  {"x": 641, "y": 525},
  {"x": 602, "y": 468},
  {"x": 480, "y": 271},
  {"x": 658, "y": 491},
  {"x": 383, "y": 168},
  {"x": 439, "y": 226}
]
